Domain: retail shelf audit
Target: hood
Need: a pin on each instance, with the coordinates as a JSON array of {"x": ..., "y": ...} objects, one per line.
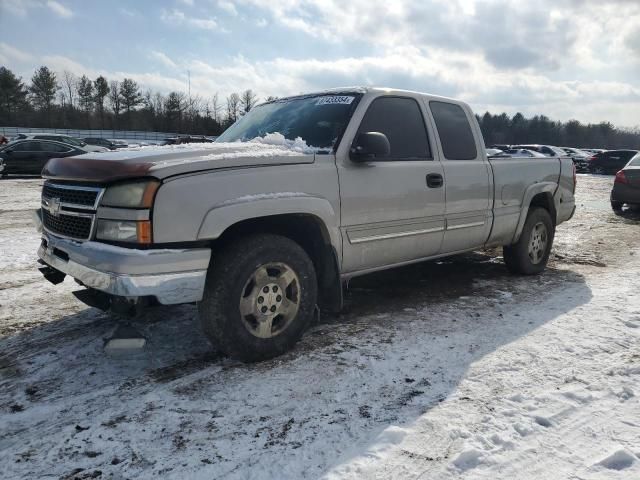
[{"x": 166, "y": 161}]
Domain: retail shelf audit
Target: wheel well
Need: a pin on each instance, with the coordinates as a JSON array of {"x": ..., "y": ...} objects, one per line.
[
  {"x": 544, "y": 200},
  {"x": 311, "y": 234}
]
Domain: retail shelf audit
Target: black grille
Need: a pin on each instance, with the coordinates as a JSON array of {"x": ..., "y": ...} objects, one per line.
[
  {"x": 68, "y": 195},
  {"x": 67, "y": 225}
]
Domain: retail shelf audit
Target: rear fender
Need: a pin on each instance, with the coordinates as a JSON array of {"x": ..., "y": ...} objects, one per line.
[{"x": 547, "y": 189}]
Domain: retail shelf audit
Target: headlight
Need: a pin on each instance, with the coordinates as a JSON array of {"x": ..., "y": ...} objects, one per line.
[
  {"x": 124, "y": 231},
  {"x": 137, "y": 194}
]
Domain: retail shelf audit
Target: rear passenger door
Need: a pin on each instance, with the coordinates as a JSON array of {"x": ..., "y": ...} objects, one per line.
[
  {"x": 467, "y": 178},
  {"x": 390, "y": 213},
  {"x": 24, "y": 157}
]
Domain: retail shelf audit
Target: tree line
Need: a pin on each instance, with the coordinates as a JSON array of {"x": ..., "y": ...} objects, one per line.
[
  {"x": 517, "y": 130},
  {"x": 64, "y": 100}
]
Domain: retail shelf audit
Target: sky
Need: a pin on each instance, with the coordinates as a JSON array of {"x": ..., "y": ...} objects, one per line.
[{"x": 567, "y": 59}]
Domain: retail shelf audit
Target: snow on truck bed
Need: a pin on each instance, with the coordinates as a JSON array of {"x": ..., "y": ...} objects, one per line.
[{"x": 452, "y": 369}]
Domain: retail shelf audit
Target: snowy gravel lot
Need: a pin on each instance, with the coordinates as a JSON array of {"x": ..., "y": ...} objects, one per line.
[{"x": 450, "y": 369}]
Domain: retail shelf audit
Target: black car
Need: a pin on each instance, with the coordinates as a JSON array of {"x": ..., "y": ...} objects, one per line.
[
  {"x": 626, "y": 189},
  {"x": 186, "y": 139},
  {"x": 29, "y": 156},
  {"x": 103, "y": 142},
  {"x": 610, "y": 162}
]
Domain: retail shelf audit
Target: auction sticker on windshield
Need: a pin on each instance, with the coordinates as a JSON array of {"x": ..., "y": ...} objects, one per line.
[{"x": 335, "y": 100}]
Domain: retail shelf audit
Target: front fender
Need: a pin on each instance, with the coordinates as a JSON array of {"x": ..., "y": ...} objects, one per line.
[
  {"x": 547, "y": 188},
  {"x": 225, "y": 214}
]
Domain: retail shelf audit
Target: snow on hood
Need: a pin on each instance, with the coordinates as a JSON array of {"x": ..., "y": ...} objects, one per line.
[{"x": 166, "y": 160}]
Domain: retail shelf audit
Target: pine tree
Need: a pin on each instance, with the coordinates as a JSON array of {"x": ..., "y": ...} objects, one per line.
[
  {"x": 101, "y": 89},
  {"x": 85, "y": 96},
  {"x": 13, "y": 95},
  {"x": 130, "y": 96},
  {"x": 43, "y": 90}
]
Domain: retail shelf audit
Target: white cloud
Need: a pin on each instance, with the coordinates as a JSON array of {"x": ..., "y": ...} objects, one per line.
[
  {"x": 22, "y": 7},
  {"x": 10, "y": 53},
  {"x": 163, "y": 59},
  {"x": 228, "y": 7},
  {"x": 59, "y": 9},
  {"x": 187, "y": 2},
  {"x": 127, "y": 12},
  {"x": 177, "y": 17}
]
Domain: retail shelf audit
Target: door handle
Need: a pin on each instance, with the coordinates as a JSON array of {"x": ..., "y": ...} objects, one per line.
[{"x": 434, "y": 180}]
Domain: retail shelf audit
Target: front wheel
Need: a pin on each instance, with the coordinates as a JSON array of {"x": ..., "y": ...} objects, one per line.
[
  {"x": 259, "y": 298},
  {"x": 530, "y": 254}
]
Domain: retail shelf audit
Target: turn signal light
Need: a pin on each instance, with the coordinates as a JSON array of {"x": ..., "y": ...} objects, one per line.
[{"x": 143, "y": 230}]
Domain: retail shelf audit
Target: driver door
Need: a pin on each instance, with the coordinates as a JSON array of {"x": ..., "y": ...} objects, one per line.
[{"x": 392, "y": 212}]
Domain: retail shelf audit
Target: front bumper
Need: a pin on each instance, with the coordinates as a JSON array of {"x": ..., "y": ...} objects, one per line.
[{"x": 172, "y": 276}]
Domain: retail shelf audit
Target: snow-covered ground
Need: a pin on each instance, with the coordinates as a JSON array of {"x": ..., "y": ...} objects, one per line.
[{"x": 452, "y": 369}]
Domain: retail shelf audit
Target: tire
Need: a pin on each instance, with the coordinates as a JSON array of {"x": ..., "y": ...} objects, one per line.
[
  {"x": 616, "y": 206},
  {"x": 237, "y": 279},
  {"x": 518, "y": 257}
]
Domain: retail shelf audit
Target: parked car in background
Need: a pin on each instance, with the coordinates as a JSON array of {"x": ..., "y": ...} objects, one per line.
[
  {"x": 593, "y": 151},
  {"x": 496, "y": 152},
  {"x": 28, "y": 156},
  {"x": 580, "y": 158},
  {"x": 186, "y": 139},
  {"x": 58, "y": 137},
  {"x": 626, "y": 188},
  {"x": 500, "y": 147},
  {"x": 609, "y": 162},
  {"x": 547, "y": 150},
  {"x": 523, "y": 152},
  {"x": 103, "y": 142}
]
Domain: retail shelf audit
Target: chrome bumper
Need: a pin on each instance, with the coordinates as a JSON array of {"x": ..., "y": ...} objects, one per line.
[{"x": 172, "y": 276}]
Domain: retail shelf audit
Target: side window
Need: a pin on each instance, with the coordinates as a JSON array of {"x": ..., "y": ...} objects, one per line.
[
  {"x": 454, "y": 130},
  {"x": 635, "y": 161},
  {"x": 548, "y": 151},
  {"x": 54, "y": 147},
  {"x": 20, "y": 147},
  {"x": 28, "y": 147},
  {"x": 400, "y": 119}
]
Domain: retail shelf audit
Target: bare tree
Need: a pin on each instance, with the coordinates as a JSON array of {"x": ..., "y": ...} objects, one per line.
[
  {"x": 216, "y": 108},
  {"x": 247, "y": 100},
  {"x": 70, "y": 83},
  {"x": 233, "y": 108},
  {"x": 114, "y": 99}
]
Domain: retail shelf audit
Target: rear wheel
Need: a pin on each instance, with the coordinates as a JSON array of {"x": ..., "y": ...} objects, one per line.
[
  {"x": 599, "y": 170},
  {"x": 530, "y": 254},
  {"x": 259, "y": 298}
]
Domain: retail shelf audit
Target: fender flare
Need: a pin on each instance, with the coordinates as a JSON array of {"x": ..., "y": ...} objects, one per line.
[
  {"x": 548, "y": 188},
  {"x": 224, "y": 215}
]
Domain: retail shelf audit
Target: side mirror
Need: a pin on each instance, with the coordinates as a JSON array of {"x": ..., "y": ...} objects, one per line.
[{"x": 370, "y": 145}]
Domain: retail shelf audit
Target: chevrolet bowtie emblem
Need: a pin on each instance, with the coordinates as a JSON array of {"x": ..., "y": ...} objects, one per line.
[{"x": 53, "y": 206}]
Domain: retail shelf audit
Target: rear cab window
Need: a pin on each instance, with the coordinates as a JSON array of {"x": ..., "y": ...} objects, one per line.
[
  {"x": 635, "y": 161},
  {"x": 456, "y": 136},
  {"x": 401, "y": 120}
]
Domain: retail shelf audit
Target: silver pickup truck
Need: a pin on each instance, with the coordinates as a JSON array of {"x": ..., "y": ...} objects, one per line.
[{"x": 266, "y": 224}]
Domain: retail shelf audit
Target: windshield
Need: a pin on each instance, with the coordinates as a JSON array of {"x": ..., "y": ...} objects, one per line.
[{"x": 319, "y": 120}]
